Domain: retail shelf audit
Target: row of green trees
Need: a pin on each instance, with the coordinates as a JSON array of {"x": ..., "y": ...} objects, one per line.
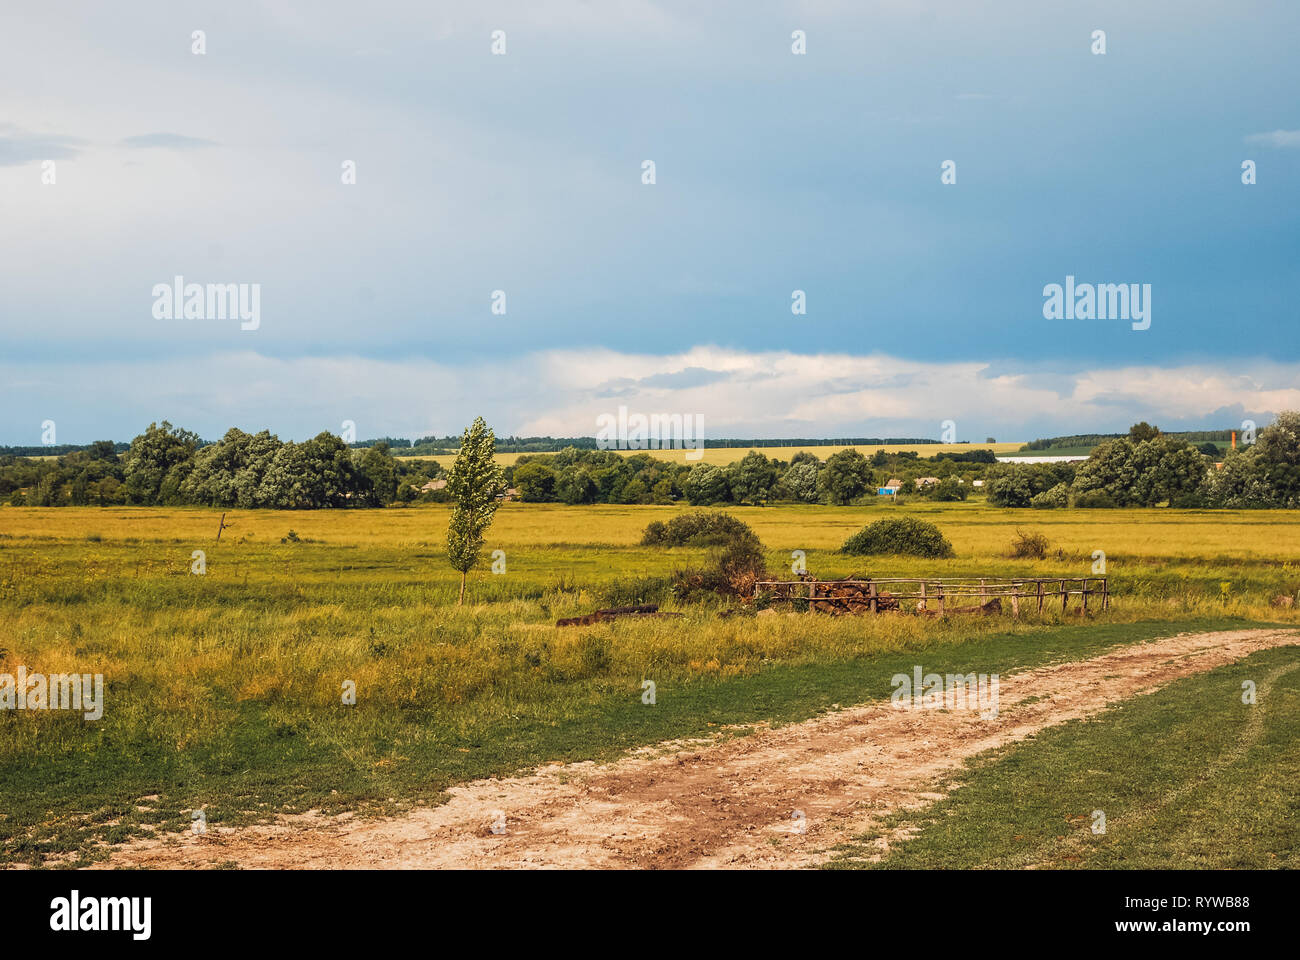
[
  {"x": 166, "y": 465},
  {"x": 1148, "y": 468},
  {"x": 603, "y": 476}
]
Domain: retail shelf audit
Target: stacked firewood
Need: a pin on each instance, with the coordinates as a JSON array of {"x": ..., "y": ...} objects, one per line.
[{"x": 840, "y": 598}]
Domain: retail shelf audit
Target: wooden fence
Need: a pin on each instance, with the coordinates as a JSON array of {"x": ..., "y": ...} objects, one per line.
[{"x": 933, "y": 593}]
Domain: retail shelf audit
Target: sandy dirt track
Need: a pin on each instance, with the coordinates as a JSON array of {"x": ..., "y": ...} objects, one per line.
[{"x": 725, "y": 804}]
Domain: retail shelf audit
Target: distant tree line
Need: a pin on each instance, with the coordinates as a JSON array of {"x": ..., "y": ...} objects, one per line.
[
  {"x": 604, "y": 476},
  {"x": 59, "y": 450},
  {"x": 167, "y": 465}
]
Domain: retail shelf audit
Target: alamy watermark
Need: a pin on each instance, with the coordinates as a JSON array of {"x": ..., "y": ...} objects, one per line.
[
  {"x": 1102, "y": 301},
  {"x": 952, "y": 691},
  {"x": 179, "y": 300},
  {"x": 58, "y": 691},
  {"x": 656, "y": 431},
  {"x": 75, "y": 913}
]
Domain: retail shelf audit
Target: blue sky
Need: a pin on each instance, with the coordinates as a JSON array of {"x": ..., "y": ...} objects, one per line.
[{"x": 522, "y": 173}]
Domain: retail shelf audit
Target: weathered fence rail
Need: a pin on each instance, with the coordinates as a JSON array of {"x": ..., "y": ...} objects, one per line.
[{"x": 937, "y": 594}]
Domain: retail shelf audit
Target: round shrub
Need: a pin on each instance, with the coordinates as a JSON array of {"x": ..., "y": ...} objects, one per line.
[
  {"x": 697, "y": 530},
  {"x": 1029, "y": 545},
  {"x": 905, "y": 535},
  {"x": 735, "y": 559}
]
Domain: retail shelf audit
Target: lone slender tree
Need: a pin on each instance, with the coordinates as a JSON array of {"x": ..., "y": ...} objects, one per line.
[{"x": 474, "y": 483}]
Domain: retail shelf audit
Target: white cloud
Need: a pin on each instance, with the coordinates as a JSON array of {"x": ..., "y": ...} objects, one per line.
[
  {"x": 562, "y": 392},
  {"x": 1277, "y": 138}
]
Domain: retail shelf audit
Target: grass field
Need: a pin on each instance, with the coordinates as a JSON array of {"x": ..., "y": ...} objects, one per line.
[
  {"x": 724, "y": 455},
  {"x": 1189, "y": 775},
  {"x": 223, "y": 689}
]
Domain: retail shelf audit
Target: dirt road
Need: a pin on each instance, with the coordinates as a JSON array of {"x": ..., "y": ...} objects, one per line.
[{"x": 726, "y": 804}]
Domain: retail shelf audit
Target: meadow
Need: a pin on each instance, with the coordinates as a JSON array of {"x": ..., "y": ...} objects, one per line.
[{"x": 224, "y": 688}]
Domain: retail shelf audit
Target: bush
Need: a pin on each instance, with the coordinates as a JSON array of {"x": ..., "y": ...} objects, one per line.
[
  {"x": 905, "y": 535},
  {"x": 1012, "y": 489},
  {"x": 697, "y": 530},
  {"x": 735, "y": 563},
  {"x": 1029, "y": 545},
  {"x": 1058, "y": 496},
  {"x": 1094, "y": 499},
  {"x": 731, "y": 570},
  {"x": 947, "y": 490},
  {"x": 535, "y": 482}
]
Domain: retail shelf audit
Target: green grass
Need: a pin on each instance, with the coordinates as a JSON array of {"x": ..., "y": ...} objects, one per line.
[
  {"x": 251, "y": 759},
  {"x": 1187, "y": 777},
  {"x": 223, "y": 690}
]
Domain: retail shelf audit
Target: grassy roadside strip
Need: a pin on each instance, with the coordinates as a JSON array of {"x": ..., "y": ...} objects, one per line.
[
  {"x": 261, "y": 759},
  {"x": 1187, "y": 777}
]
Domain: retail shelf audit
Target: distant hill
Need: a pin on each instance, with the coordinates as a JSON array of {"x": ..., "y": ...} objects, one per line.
[{"x": 1084, "y": 443}]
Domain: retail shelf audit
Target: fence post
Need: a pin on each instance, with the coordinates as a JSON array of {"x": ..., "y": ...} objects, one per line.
[
  {"x": 1015, "y": 599},
  {"x": 1085, "y": 595},
  {"x": 984, "y": 594},
  {"x": 871, "y": 592},
  {"x": 1040, "y": 596},
  {"x": 939, "y": 589},
  {"x": 923, "y": 606},
  {"x": 1105, "y": 594},
  {"x": 1065, "y": 596}
]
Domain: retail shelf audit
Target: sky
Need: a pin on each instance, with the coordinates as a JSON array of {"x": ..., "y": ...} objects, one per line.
[{"x": 128, "y": 159}]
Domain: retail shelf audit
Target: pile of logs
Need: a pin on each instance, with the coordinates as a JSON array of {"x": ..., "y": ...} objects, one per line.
[
  {"x": 840, "y": 598},
  {"x": 611, "y": 613}
]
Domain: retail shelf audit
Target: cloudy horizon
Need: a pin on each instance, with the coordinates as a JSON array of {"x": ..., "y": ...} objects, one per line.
[
  {"x": 738, "y": 394},
  {"x": 129, "y": 157}
]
